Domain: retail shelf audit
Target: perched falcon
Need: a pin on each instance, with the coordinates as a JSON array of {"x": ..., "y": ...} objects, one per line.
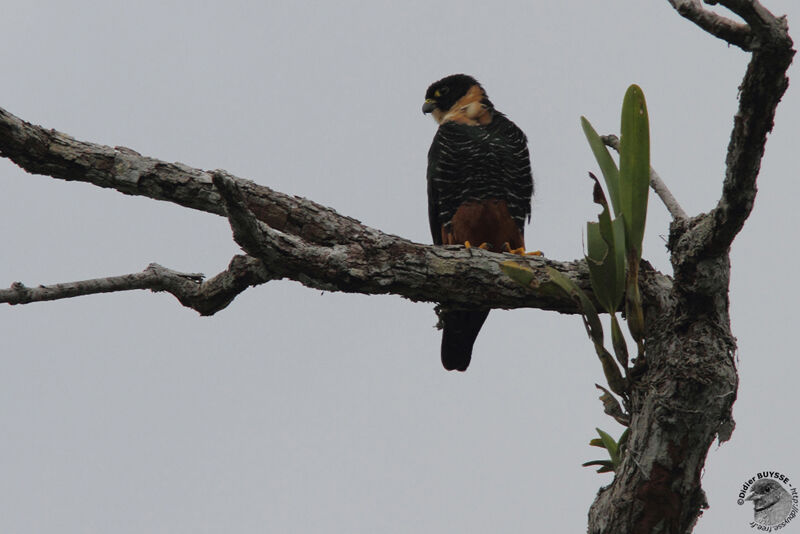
[{"x": 479, "y": 190}]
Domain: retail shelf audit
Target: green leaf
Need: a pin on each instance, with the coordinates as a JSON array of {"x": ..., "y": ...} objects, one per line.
[
  {"x": 610, "y": 369},
  {"x": 597, "y": 462},
  {"x": 618, "y": 342},
  {"x": 519, "y": 273},
  {"x": 606, "y": 254},
  {"x": 633, "y": 302},
  {"x": 611, "y": 446},
  {"x": 618, "y": 231},
  {"x": 601, "y": 266},
  {"x": 634, "y": 187},
  {"x": 606, "y": 466},
  {"x": 594, "y": 328},
  {"x": 589, "y": 313},
  {"x": 634, "y": 166},
  {"x": 614, "y": 449},
  {"x": 606, "y": 163}
]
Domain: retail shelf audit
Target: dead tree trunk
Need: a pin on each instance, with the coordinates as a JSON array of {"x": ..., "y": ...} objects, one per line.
[{"x": 683, "y": 398}]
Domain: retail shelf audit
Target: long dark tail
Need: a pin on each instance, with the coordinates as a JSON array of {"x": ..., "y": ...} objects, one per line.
[{"x": 459, "y": 330}]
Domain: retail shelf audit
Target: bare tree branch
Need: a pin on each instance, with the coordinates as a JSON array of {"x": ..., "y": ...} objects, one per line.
[
  {"x": 310, "y": 243},
  {"x": 148, "y": 279},
  {"x": 761, "y": 90},
  {"x": 49, "y": 152},
  {"x": 763, "y": 86},
  {"x": 656, "y": 183},
  {"x": 206, "y": 297},
  {"x": 726, "y": 29},
  {"x": 377, "y": 263}
]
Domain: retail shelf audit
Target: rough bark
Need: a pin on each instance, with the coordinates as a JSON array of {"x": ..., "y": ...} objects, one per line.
[
  {"x": 683, "y": 399},
  {"x": 309, "y": 243},
  {"x": 681, "y": 391}
]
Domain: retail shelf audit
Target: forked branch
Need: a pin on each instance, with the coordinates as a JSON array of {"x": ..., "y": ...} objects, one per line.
[
  {"x": 762, "y": 88},
  {"x": 206, "y": 297}
]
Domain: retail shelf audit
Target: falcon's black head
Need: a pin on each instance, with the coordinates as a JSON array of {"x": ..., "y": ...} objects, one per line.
[{"x": 444, "y": 94}]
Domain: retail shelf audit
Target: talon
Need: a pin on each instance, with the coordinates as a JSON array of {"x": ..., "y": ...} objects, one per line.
[
  {"x": 521, "y": 251},
  {"x": 482, "y": 246}
]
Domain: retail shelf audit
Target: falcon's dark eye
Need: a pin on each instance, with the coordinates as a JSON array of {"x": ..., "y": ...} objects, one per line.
[
  {"x": 444, "y": 90},
  {"x": 767, "y": 489}
]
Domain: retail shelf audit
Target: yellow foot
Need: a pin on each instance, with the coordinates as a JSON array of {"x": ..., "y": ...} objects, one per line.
[
  {"x": 521, "y": 251},
  {"x": 484, "y": 246}
]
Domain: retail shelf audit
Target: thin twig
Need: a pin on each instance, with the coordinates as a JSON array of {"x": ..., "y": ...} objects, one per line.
[
  {"x": 205, "y": 297},
  {"x": 147, "y": 279}
]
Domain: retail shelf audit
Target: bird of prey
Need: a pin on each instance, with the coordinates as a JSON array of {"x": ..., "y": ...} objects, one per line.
[
  {"x": 771, "y": 502},
  {"x": 479, "y": 190}
]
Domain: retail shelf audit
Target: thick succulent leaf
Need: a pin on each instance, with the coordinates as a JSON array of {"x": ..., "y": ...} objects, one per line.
[
  {"x": 611, "y": 446},
  {"x": 606, "y": 465},
  {"x": 618, "y": 233},
  {"x": 614, "y": 377},
  {"x": 633, "y": 302},
  {"x": 601, "y": 266},
  {"x": 519, "y": 273},
  {"x": 607, "y": 165},
  {"x": 594, "y": 329},
  {"x": 634, "y": 187},
  {"x": 590, "y": 318},
  {"x": 618, "y": 342},
  {"x": 634, "y": 166},
  {"x": 606, "y": 254}
]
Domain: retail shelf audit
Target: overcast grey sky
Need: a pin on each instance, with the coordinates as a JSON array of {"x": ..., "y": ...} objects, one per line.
[{"x": 296, "y": 411}]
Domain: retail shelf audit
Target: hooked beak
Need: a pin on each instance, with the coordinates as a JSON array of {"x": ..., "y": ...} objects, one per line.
[{"x": 429, "y": 105}]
